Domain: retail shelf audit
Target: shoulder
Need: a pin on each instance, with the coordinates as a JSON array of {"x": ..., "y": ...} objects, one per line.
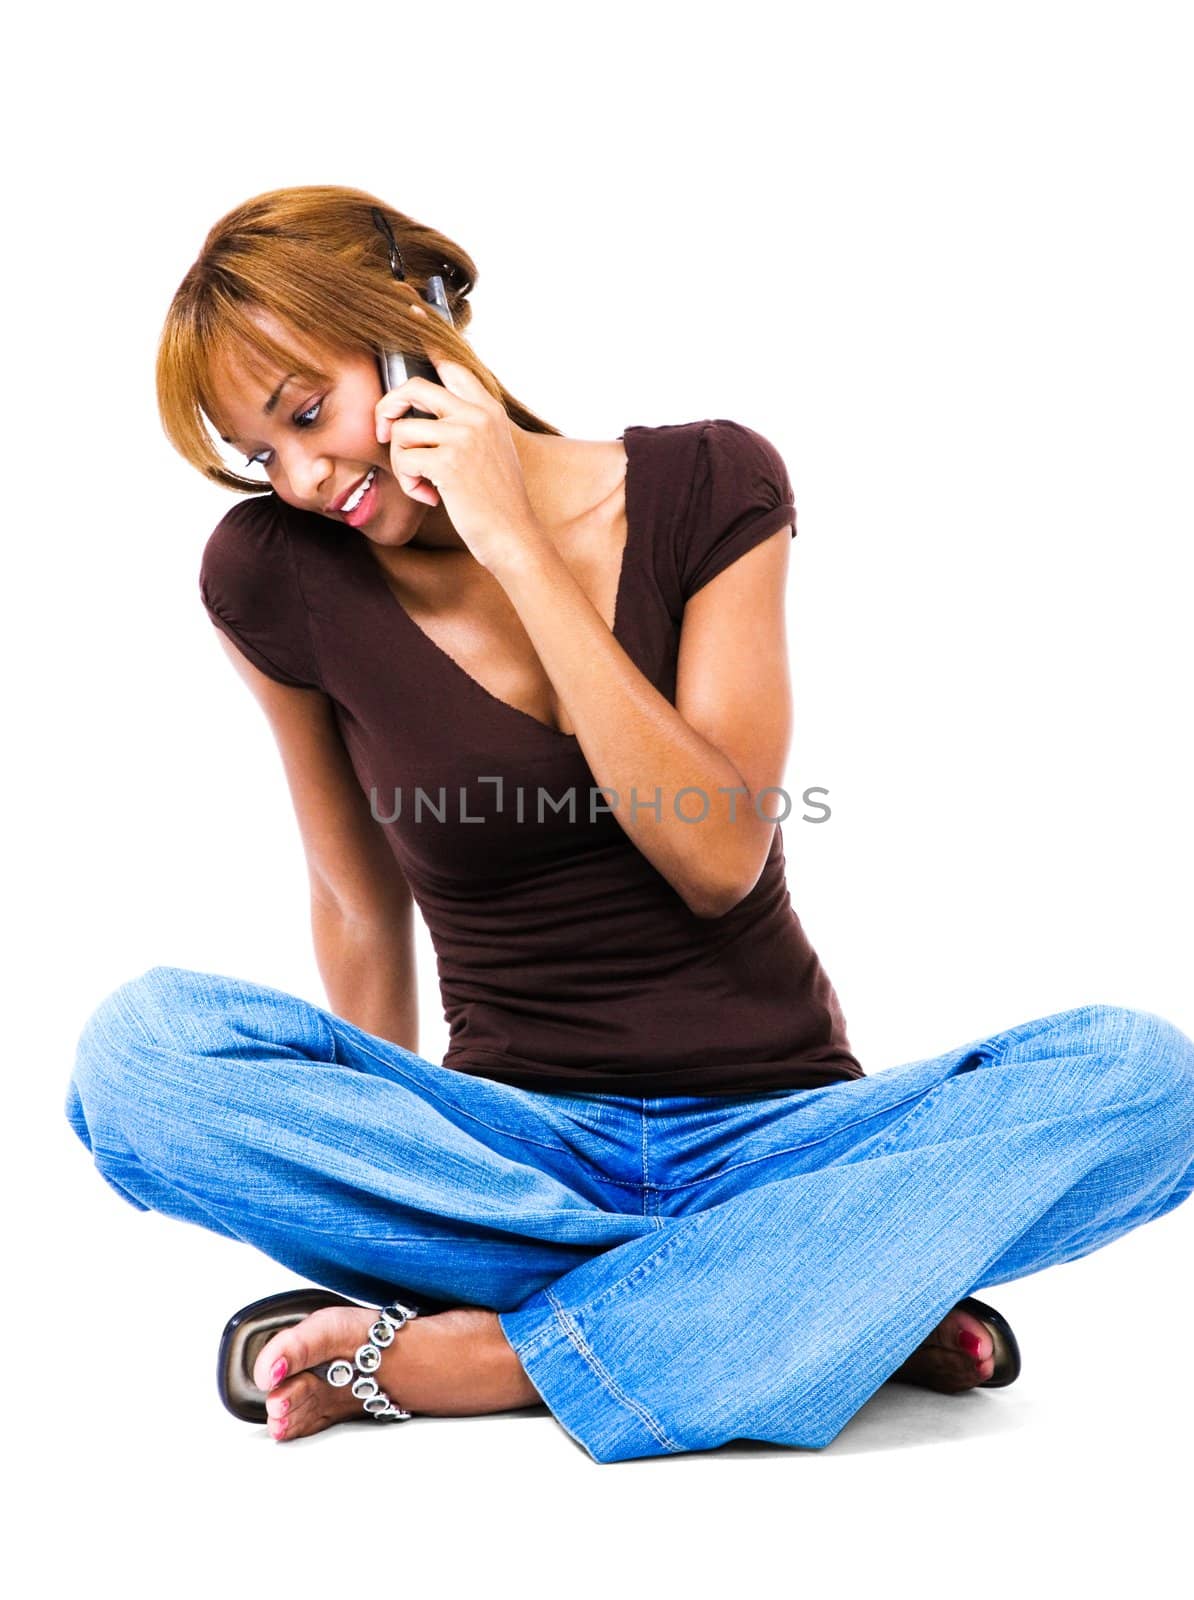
[
  {"x": 246, "y": 550},
  {"x": 251, "y": 584},
  {"x": 718, "y": 444},
  {"x": 741, "y": 494},
  {"x": 741, "y": 457}
]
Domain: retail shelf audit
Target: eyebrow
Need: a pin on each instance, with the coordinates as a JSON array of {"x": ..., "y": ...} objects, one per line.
[
  {"x": 269, "y": 405},
  {"x": 273, "y": 399}
]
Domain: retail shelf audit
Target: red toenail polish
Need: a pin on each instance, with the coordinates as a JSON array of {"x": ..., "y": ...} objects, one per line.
[
  {"x": 970, "y": 1343},
  {"x": 278, "y": 1371},
  {"x": 283, "y": 1407}
]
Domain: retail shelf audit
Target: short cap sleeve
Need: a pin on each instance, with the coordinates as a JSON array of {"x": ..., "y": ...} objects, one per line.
[
  {"x": 741, "y": 495},
  {"x": 249, "y": 583}
]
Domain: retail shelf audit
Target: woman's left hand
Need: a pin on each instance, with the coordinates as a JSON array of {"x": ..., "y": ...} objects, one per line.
[{"x": 465, "y": 451}]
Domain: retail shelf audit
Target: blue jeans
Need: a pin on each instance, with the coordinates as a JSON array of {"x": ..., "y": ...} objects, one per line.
[{"x": 673, "y": 1272}]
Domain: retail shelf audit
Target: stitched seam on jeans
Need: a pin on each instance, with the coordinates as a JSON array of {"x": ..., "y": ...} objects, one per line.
[
  {"x": 423, "y": 1091},
  {"x": 646, "y": 1169},
  {"x": 894, "y": 1135},
  {"x": 620, "y": 1183},
  {"x": 527, "y": 1348},
  {"x": 793, "y": 1149},
  {"x": 587, "y": 1354}
]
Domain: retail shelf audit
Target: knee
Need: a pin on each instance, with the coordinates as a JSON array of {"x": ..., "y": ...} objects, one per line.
[
  {"x": 173, "y": 1027},
  {"x": 160, "y": 1006},
  {"x": 107, "y": 1044},
  {"x": 1156, "y": 1056},
  {"x": 209, "y": 1014},
  {"x": 132, "y": 1077},
  {"x": 105, "y": 1055},
  {"x": 139, "y": 1012},
  {"x": 145, "y": 1021}
]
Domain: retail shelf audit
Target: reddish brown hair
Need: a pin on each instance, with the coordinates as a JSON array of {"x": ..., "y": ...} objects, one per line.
[{"x": 311, "y": 257}]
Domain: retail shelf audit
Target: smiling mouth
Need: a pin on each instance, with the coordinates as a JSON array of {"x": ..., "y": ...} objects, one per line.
[{"x": 359, "y": 493}]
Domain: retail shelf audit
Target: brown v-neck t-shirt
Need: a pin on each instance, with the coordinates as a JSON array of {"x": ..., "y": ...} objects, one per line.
[{"x": 567, "y": 963}]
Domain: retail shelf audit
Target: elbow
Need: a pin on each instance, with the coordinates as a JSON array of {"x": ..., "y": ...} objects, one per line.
[
  {"x": 717, "y": 898},
  {"x": 705, "y": 911},
  {"x": 712, "y": 903}
]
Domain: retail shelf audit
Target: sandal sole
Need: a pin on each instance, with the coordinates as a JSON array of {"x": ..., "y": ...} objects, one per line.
[{"x": 248, "y": 1329}]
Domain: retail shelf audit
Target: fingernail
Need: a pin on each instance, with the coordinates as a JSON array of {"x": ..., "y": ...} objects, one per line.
[{"x": 278, "y": 1371}]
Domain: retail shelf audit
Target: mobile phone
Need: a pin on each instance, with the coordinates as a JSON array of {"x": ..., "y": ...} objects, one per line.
[{"x": 396, "y": 367}]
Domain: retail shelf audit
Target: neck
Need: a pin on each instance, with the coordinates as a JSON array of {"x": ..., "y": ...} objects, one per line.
[
  {"x": 565, "y": 479},
  {"x": 436, "y": 529}
]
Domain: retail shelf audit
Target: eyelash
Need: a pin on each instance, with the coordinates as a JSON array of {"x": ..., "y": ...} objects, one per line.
[{"x": 254, "y": 460}]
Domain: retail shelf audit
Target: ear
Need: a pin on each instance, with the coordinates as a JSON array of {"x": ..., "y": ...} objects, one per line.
[{"x": 419, "y": 311}]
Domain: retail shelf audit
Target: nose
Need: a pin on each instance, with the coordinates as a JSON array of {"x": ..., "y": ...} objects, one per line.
[{"x": 308, "y": 471}]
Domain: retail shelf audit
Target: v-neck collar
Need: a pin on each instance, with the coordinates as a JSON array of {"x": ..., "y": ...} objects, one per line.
[{"x": 629, "y": 549}]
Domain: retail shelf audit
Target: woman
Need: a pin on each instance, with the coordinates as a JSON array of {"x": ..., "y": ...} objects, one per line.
[{"x": 538, "y": 684}]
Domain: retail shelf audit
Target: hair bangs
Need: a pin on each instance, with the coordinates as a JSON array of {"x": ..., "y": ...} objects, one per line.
[{"x": 214, "y": 342}]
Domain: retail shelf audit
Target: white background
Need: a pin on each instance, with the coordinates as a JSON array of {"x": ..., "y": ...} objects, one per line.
[{"x": 939, "y": 254}]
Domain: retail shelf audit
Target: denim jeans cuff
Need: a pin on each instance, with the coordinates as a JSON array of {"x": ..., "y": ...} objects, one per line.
[{"x": 582, "y": 1394}]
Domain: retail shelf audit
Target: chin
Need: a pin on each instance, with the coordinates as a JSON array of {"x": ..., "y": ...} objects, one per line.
[{"x": 390, "y": 530}]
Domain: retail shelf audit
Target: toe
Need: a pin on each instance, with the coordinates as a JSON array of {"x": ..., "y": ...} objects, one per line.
[
  {"x": 312, "y": 1407},
  {"x": 958, "y": 1354},
  {"x": 281, "y": 1399},
  {"x": 973, "y": 1337},
  {"x": 326, "y": 1334},
  {"x": 274, "y": 1363}
]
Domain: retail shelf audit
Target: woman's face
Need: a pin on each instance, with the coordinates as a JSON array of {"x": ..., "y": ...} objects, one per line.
[{"x": 316, "y": 443}]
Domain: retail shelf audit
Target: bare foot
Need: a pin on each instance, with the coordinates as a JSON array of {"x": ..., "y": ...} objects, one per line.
[
  {"x": 454, "y": 1364},
  {"x": 957, "y": 1355}
]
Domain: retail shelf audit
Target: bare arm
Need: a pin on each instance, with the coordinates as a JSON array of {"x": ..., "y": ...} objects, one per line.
[
  {"x": 727, "y": 735},
  {"x": 362, "y": 916},
  {"x": 368, "y": 971}
]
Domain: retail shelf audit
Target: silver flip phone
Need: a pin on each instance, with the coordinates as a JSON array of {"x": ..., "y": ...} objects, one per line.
[{"x": 397, "y": 367}]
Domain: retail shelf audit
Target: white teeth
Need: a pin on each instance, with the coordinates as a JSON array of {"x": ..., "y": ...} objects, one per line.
[{"x": 358, "y": 495}]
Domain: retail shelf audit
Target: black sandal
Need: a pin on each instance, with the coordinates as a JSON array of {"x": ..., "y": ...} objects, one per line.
[{"x": 250, "y": 1328}]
